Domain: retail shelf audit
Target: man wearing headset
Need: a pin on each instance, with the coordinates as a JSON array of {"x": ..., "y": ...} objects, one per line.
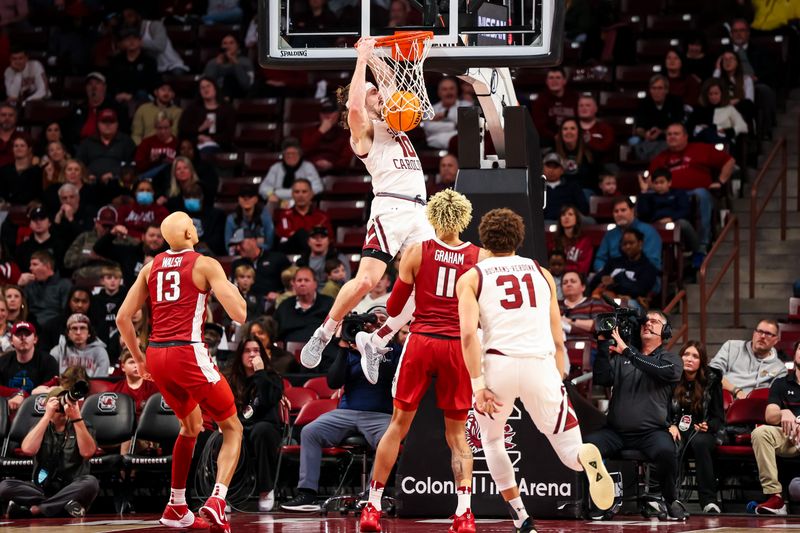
[{"x": 643, "y": 380}]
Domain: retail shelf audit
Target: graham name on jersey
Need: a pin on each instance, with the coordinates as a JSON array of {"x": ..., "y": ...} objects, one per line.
[
  {"x": 453, "y": 258},
  {"x": 171, "y": 262},
  {"x": 510, "y": 268},
  {"x": 407, "y": 164}
]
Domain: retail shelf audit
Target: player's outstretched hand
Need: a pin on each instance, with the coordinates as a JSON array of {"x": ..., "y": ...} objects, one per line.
[{"x": 487, "y": 403}]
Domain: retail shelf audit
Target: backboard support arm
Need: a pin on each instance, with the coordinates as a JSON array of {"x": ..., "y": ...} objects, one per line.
[{"x": 494, "y": 90}]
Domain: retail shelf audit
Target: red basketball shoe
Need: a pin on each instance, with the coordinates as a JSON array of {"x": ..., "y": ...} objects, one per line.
[
  {"x": 370, "y": 519},
  {"x": 214, "y": 513},
  {"x": 464, "y": 523},
  {"x": 180, "y": 516}
]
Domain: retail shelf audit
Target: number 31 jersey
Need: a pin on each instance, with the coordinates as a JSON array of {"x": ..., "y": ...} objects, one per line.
[
  {"x": 514, "y": 300},
  {"x": 177, "y": 306},
  {"x": 435, "y": 286}
]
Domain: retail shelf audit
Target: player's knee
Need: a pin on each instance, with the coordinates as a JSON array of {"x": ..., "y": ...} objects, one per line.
[
  {"x": 192, "y": 428},
  {"x": 365, "y": 283},
  {"x": 567, "y": 446}
]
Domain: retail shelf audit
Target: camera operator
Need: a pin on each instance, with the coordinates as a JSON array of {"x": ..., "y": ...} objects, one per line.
[
  {"x": 62, "y": 445},
  {"x": 643, "y": 381}
]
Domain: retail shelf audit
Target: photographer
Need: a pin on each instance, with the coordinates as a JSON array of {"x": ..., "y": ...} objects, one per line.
[
  {"x": 643, "y": 381},
  {"x": 62, "y": 445}
]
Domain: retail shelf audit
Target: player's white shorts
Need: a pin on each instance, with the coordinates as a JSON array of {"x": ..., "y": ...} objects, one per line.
[{"x": 395, "y": 224}]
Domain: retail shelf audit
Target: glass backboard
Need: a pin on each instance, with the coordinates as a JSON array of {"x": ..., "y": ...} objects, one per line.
[{"x": 467, "y": 33}]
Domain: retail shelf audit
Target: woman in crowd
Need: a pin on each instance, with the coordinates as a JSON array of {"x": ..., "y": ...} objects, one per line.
[
  {"x": 141, "y": 324},
  {"x": 53, "y": 163},
  {"x": 182, "y": 178},
  {"x": 277, "y": 184},
  {"x": 578, "y": 158},
  {"x": 250, "y": 214},
  {"x": 16, "y": 303},
  {"x": 75, "y": 173},
  {"x": 52, "y": 133},
  {"x": 682, "y": 84},
  {"x": 715, "y": 120},
  {"x": 738, "y": 85},
  {"x": 80, "y": 347},
  {"x": 696, "y": 414},
  {"x": 143, "y": 211},
  {"x": 257, "y": 390},
  {"x": 21, "y": 181},
  {"x": 264, "y": 328},
  {"x": 5, "y": 327},
  {"x": 569, "y": 238},
  {"x": 205, "y": 170},
  {"x": 209, "y": 121}
]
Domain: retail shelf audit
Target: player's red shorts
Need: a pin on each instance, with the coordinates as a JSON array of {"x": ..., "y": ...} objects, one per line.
[
  {"x": 186, "y": 377},
  {"x": 425, "y": 357}
]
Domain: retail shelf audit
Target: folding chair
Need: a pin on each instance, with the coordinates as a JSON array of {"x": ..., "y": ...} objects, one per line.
[{"x": 157, "y": 423}]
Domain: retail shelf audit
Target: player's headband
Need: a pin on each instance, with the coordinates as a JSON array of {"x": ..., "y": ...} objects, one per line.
[{"x": 369, "y": 85}]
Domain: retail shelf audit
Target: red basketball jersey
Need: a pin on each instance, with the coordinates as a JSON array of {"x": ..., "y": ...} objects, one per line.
[
  {"x": 177, "y": 306},
  {"x": 435, "y": 286}
]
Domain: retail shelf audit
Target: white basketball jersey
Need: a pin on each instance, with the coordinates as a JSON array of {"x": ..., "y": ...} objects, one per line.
[
  {"x": 393, "y": 163},
  {"x": 514, "y": 300}
]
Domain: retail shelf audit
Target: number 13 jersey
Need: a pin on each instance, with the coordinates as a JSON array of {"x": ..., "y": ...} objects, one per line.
[
  {"x": 177, "y": 306},
  {"x": 514, "y": 300}
]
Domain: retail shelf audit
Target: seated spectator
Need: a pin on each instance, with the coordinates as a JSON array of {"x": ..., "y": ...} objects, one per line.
[
  {"x": 578, "y": 159},
  {"x": 257, "y": 390},
  {"x": 753, "y": 364},
  {"x": 658, "y": 202},
  {"x": 559, "y": 190},
  {"x": 320, "y": 249},
  {"x": 693, "y": 167},
  {"x": 293, "y": 224},
  {"x": 695, "y": 415},
  {"x": 8, "y": 131},
  {"x": 156, "y": 43},
  {"x": 598, "y": 136},
  {"x": 40, "y": 239},
  {"x": 250, "y": 214},
  {"x": 448, "y": 171},
  {"x": 77, "y": 175},
  {"x": 762, "y": 65},
  {"x": 105, "y": 153},
  {"x": 80, "y": 347},
  {"x": 209, "y": 122},
  {"x": 697, "y": 61},
  {"x": 25, "y": 79},
  {"x": 103, "y": 311},
  {"x": 624, "y": 217},
  {"x": 569, "y": 239},
  {"x": 143, "y": 211},
  {"x": 5, "y": 327},
  {"x": 739, "y": 86},
  {"x": 146, "y": 116},
  {"x": 777, "y": 436},
  {"x": 556, "y": 264},
  {"x": 268, "y": 263},
  {"x": 327, "y": 145},
  {"x": 643, "y": 381},
  {"x": 16, "y": 303},
  {"x": 682, "y": 84},
  {"x": 442, "y": 127},
  {"x": 336, "y": 276},
  {"x": 53, "y": 163},
  {"x": 21, "y": 180},
  {"x": 213, "y": 336},
  {"x": 554, "y": 105},
  {"x": 715, "y": 120},
  {"x": 131, "y": 254},
  {"x": 81, "y": 252},
  {"x": 134, "y": 386},
  {"x": 276, "y": 187},
  {"x": 61, "y": 444},
  {"x": 299, "y": 315},
  {"x": 265, "y": 329},
  {"x": 45, "y": 291},
  {"x": 244, "y": 277},
  {"x": 607, "y": 183},
  {"x": 231, "y": 70},
  {"x": 577, "y": 309},
  {"x": 183, "y": 177},
  {"x": 287, "y": 280},
  {"x": 156, "y": 152},
  {"x": 223, "y": 12},
  {"x": 377, "y": 297},
  {"x": 363, "y": 409},
  {"x": 24, "y": 368},
  {"x": 205, "y": 170},
  {"x": 209, "y": 221},
  {"x": 86, "y": 117},
  {"x": 72, "y": 217},
  {"x": 133, "y": 74},
  {"x": 629, "y": 276},
  {"x": 656, "y": 111},
  {"x": 78, "y": 300}
]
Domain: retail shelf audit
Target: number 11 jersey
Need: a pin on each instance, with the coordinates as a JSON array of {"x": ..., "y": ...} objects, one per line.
[
  {"x": 177, "y": 306},
  {"x": 514, "y": 300},
  {"x": 435, "y": 286}
]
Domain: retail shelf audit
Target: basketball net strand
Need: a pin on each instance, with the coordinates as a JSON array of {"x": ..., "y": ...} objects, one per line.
[{"x": 398, "y": 69}]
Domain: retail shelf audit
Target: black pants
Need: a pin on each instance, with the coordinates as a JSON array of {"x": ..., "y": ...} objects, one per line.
[
  {"x": 656, "y": 445},
  {"x": 83, "y": 490},
  {"x": 701, "y": 446},
  {"x": 265, "y": 441}
]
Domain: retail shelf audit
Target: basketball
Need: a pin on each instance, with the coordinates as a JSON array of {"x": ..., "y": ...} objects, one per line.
[{"x": 403, "y": 111}]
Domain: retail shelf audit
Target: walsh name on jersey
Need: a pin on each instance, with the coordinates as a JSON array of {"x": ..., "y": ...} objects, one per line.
[{"x": 172, "y": 262}]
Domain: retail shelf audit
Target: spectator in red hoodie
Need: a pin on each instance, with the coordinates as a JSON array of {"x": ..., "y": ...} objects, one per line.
[
  {"x": 554, "y": 105},
  {"x": 327, "y": 145},
  {"x": 156, "y": 152},
  {"x": 143, "y": 211},
  {"x": 597, "y": 135}
]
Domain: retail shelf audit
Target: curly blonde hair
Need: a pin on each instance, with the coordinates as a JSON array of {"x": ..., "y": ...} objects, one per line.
[{"x": 449, "y": 211}]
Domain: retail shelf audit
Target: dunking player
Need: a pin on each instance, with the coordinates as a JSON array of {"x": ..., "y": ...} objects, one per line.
[
  {"x": 177, "y": 282},
  {"x": 397, "y": 216},
  {"x": 432, "y": 349},
  {"x": 514, "y": 300}
]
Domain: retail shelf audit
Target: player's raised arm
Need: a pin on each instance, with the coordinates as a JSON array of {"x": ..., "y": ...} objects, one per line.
[
  {"x": 134, "y": 300},
  {"x": 358, "y": 117},
  {"x": 468, "y": 316},
  {"x": 555, "y": 323},
  {"x": 225, "y": 291}
]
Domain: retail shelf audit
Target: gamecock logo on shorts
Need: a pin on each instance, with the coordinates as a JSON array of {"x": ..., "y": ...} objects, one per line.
[
  {"x": 39, "y": 404},
  {"x": 107, "y": 402},
  {"x": 473, "y": 433}
]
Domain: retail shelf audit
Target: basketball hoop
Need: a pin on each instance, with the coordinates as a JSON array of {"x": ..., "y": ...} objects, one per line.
[{"x": 396, "y": 63}]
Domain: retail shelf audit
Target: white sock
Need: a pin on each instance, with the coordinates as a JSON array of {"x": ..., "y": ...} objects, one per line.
[
  {"x": 177, "y": 496},
  {"x": 393, "y": 324},
  {"x": 518, "y": 512},
  {"x": 464, "y": 498},
  {"x": 220, "y": 491},
  {"x": 376, "y": 494},
  {"x": 329, "y": 326}
]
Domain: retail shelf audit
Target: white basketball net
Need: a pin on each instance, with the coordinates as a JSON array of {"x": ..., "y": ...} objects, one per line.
[{"x": 402, "y": 75}]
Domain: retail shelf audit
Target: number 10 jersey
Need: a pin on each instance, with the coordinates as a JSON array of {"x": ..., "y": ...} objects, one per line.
[
  {"x": 177, "y": 306},
  {"x": 514, "y": 300}
]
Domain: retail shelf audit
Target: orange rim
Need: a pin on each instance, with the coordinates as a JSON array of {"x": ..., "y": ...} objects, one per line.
[{"x": 400, "y": 37}]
